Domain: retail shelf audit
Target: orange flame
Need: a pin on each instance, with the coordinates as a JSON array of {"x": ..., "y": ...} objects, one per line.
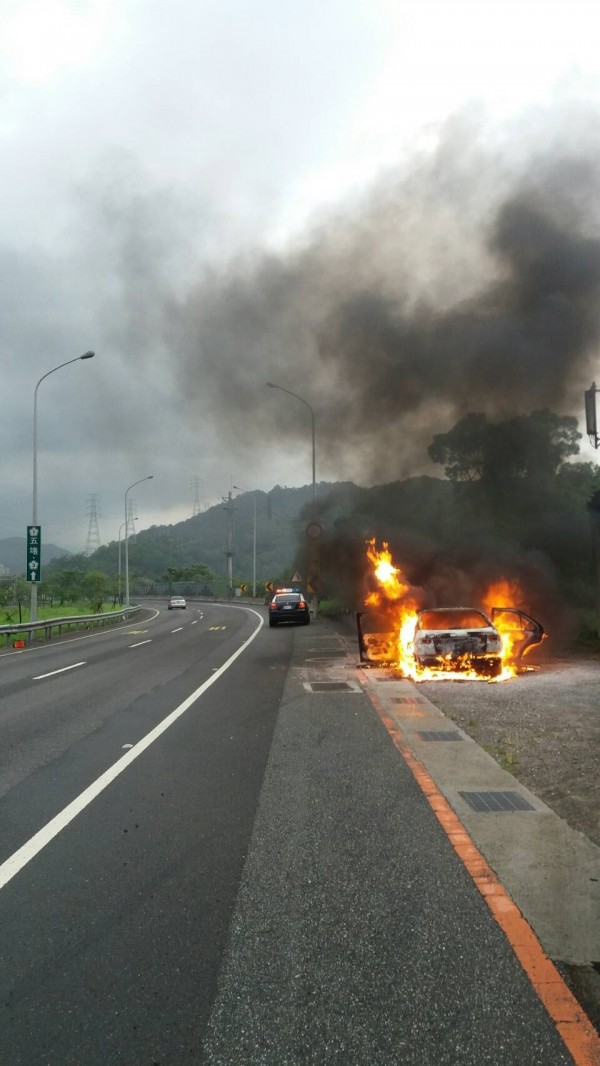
[{"x": 398, "y": 603}]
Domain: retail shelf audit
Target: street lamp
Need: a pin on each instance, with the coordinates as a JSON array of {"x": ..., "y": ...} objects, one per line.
[
  {"x": 238, "y": 489},
  {"x": 270, "y": 385},
  {"x": 314, "y": 480},
  {"x": 34, "y": 509},
  {"x": 148, "y": 478},
  {"x": 122, "y": 527}
]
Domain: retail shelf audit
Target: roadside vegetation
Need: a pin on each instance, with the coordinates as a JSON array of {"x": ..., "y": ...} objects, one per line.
[{"x": 514, "y": 502}]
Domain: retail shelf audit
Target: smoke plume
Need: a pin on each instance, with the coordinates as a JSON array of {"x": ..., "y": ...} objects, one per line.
[{"x": 465, "y": 282}]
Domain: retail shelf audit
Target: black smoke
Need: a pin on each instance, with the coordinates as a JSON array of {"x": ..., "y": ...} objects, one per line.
[{"x": 453, "y": 286}]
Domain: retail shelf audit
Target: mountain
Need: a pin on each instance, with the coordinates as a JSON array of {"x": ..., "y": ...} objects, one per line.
[
  {"x": 13, "y": 554},
  {"x": 281, "y": 519}
]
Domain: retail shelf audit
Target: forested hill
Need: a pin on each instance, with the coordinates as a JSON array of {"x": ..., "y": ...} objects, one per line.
[
  {"x": 512, "y": 504},
  {"x": 281, "y": 515}
]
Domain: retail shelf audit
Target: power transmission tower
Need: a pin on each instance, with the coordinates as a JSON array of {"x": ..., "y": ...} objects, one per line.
[
  {"x": 197, "y": 484},
  {"x": 93, "y": 536}
]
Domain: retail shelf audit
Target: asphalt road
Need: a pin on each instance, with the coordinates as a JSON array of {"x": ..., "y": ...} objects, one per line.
[{"x": 259, "y": 881}]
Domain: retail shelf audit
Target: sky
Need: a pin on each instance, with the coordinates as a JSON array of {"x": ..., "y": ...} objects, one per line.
[{"x": 390, "y": 210}]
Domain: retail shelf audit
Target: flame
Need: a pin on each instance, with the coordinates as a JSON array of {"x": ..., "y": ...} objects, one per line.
[{"x": 398, "y": 602}]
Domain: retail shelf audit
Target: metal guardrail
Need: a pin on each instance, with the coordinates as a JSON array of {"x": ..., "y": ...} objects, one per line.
[{"x": 67, "y": 622}]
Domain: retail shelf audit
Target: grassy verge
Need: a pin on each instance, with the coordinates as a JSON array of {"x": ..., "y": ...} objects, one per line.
[{"x": 11, "y": 615}]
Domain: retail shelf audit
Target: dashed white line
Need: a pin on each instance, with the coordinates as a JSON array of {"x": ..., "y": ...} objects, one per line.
[
  {"x": 178, "y": 630},
  {"x": 40, "y": 677},
  {"x": 139, "y": 644},
  {"x": 42, "y": 838}
]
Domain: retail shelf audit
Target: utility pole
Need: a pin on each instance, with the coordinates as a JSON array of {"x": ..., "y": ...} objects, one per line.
[
  {"x": 93, "y": 535},
  {"x": 228, "y": 501}
]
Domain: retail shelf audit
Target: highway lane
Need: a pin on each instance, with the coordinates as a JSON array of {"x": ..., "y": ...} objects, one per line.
[
  {"x": 272, "y": 839},
  {"x": 112, "y": 933},
  {"x": 54, "y": 696}
]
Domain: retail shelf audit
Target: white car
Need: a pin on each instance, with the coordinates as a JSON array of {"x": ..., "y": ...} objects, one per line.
[
  {"x": 177, "y": 602},
  {"x": 451, "y": 637}
]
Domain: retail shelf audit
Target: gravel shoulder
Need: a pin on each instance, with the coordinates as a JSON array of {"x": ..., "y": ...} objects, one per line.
[{"x": 544, "y": 728}]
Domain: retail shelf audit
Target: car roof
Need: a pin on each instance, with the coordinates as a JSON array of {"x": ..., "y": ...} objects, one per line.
[{"x": 452, "y": 614}]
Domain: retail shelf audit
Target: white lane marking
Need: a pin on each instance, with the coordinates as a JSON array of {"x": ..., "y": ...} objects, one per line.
[
  {"x": 40, "y": 677},
  {"x": 177, "y": 630},
  {"x": 44, "y": 836},
  {"x": 73, "y": 640},
  {"x": 195, "y": 622},
  {"x": 139, "y": 644}
]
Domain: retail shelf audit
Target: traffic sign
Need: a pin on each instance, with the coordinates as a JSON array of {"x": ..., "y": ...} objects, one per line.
[
  {"x": 34, "y": 554},
  {"x": 244, "y": 589},
  {"x": 314, "y": 531},
  {"x": 268, "y": 586}
]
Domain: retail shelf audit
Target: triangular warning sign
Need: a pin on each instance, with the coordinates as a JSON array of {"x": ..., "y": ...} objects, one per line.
[{"x": 296, "y": 577}]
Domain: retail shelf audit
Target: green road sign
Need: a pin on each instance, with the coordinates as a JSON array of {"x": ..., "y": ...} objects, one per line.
[{"x": 34, "y": 553}]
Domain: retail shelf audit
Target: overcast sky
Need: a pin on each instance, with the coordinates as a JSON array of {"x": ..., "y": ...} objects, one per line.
[{"x": 337, "y": 197}]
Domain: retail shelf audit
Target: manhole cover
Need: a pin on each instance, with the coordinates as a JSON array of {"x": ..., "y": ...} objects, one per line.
[
  {"x": 331, "y": 686},
  {"x": 485, "y": 802}
]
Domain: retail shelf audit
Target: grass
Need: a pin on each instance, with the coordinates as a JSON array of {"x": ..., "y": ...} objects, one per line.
[
  {"x": 504, "y": 753},
  {"x": 10, "y": 615}
]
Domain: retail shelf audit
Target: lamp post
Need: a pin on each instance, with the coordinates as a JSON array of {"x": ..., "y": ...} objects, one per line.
[
  {"x": 34, "y": 509},
  {"x": 238, "y": 489},
  {"x": 270, "y": 385},
  {"x": 314, "y": 480},
  {"x": 122, "y": 527},
  {"x": 148, "y": 478}
]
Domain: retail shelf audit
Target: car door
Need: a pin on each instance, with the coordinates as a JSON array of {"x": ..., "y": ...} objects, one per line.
[
  {"x": 377, "y": 643},
  {"x": 522, "y": 631}
]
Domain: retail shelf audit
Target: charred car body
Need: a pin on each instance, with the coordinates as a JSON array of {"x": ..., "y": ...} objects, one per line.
[{"x": 452, "y": 639}]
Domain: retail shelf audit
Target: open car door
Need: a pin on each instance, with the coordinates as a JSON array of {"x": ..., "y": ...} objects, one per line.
[
  {"x": 376, "y": 643},
  {"x": 523, "y": 632}
]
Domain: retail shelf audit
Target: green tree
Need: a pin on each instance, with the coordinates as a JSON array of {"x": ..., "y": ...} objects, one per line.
[
  {"x": 97, "y": 587},
  {"x": 70, "y": 585},
  {"x": 531, "y": 447},
  {"x": 463, "y": 449}
]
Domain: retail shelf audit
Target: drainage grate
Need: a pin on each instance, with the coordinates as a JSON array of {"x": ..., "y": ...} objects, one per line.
[
  {"x": 439, "y": 734},
  {"x": 331, "y": 686},
  {"x": 485, "y": 802},
  {"x": 408, "y": 699}
]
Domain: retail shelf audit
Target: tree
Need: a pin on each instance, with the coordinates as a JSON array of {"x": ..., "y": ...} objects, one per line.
[
  {"x": 528, "y": 447},
  {"x": 463, "y": 449},
  {"x": 69, "y": 585},
  {"x": 97, "y": 588}
]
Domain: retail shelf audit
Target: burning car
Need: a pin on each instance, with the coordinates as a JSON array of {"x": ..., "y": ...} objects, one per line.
[
  {"x": 442, "y": 642},
  {"x": 450, "y": 637}
]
